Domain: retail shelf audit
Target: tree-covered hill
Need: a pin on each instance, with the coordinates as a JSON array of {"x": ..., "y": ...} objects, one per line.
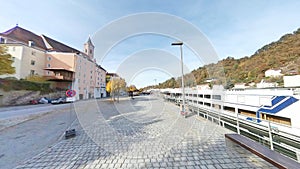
[{"x": 283, "y": 54}]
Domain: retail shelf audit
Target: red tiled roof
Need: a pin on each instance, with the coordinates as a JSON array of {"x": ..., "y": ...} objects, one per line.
[
  {"x": 59, "y": 47},
  {"x": 22, "y": 35}
]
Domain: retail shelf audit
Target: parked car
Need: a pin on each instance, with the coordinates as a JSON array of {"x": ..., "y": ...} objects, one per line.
[
  {"x": 59, "y": 100},
  {"x": 33, "y": 102},
  {"x": 44, "y": 100},
  {"x": 70, "y": 99}
]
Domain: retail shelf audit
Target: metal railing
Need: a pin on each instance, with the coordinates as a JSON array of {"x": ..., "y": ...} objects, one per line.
[{"x": 265, "y": 132}]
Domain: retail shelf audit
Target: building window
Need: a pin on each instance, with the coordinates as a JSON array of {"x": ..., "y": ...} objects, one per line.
[
  {"x": 13, "y": 58},
  {"x": 49, "y": 58},
  {"x": 48, "y": 65},
  {"x": 32, "y": 72},
  {"x": 48, "y": 72},
  {"x": 14, "y": 49},
  {"x": 32, "y": 62}
]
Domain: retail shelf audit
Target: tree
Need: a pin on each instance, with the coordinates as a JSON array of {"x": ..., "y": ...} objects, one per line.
[
  {"x": 114, "y": 86},
  {"x": 5, "y": 62},
  {"x": 108, "y": 86},
  {"x": 131, "y": 89}
]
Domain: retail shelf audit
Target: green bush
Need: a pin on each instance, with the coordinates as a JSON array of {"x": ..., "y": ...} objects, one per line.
[{"x": 12, "y": 84}]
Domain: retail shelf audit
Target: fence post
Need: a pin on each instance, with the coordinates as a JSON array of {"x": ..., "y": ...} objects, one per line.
[
  {"x": 237, "y": 124},
  {"x": 298, "y": 156},
  {"x": 270, "y": 136}
]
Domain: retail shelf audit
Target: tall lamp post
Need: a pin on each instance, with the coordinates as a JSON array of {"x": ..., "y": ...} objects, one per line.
[{"x": 183, "y": 112}]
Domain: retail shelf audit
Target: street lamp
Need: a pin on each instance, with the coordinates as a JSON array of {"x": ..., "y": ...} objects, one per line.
[{"x": 182, "y": 81}]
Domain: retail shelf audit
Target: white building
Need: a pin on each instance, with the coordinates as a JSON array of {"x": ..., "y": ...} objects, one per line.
[
  {"x": 291, "y": 81},
  {"x": 273, "y": 73},
  {"x": 264, "y": 84}
]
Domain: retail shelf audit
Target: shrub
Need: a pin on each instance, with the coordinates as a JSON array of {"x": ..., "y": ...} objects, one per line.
[{"x": 12, "y": 84}]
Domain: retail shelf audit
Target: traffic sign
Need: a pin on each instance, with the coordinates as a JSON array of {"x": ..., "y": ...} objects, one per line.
[{"x": 70, "y": 93}]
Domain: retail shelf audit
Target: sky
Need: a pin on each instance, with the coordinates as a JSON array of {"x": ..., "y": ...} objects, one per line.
[{"x": 133, "y": 38}]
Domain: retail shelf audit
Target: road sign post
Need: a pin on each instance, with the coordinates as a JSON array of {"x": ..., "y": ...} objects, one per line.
[
  {"x": 70, "y": 93},
  {"x": 71, "y": 132}
]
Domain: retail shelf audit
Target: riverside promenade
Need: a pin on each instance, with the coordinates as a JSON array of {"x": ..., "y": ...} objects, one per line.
[{"x": 144, "y": 132}]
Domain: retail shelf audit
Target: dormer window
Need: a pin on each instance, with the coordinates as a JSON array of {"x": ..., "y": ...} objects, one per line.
[
  {"x": 31, "y": 43},
  {"x": 2, "y": 40}
]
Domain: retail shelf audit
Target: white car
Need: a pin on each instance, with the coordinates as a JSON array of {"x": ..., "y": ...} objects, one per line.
[
  {"x": 59, "y": 100},
  {"x": 70, "y": 99}
]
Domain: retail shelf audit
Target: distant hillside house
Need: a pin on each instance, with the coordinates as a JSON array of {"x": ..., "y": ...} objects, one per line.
[
  {"x": 291, "y": 81},
  {"x": 264, "y": 84},
  {"x": 210, "y": 80},
  {"x": 65, "y": 66},
  {"x": 203, "y": 87},
  {"x": 240, "y": 86},
  {"x": 273, "y": 73}
]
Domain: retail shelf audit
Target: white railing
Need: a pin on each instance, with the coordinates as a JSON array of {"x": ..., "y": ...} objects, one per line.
[{"x": 276, "y": 136}]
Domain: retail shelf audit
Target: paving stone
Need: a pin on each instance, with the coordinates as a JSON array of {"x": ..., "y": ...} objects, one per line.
[{"x": 125, "y": 135}]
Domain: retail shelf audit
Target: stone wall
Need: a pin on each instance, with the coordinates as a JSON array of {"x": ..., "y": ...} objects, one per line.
[{"x": 22, "y": 97}]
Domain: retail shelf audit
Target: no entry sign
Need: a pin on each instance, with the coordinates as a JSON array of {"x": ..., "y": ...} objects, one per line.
[{"x": 70, "y": 93}]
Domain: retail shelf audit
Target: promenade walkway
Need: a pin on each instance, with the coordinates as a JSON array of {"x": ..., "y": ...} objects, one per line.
[{"x": 143, "y": 133}]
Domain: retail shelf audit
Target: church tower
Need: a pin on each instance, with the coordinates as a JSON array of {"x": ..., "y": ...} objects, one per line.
[{"x": 89, "y": 48}]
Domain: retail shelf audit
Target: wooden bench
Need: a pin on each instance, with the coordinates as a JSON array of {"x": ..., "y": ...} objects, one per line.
[{"x": 265, "y": 153}]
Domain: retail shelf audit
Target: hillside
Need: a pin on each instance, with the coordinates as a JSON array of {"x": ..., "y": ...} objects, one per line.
[{"x": 283, "y": 54}]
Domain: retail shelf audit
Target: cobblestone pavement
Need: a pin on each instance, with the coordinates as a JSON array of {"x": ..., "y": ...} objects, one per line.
[
  {"x": 22, "y": 141},
  {"x": 143, "y": 133}
]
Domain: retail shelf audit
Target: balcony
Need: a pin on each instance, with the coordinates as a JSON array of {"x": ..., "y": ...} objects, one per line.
[
  {"x": 60, "y": 75},
  {"x": 59, "y": 78}
]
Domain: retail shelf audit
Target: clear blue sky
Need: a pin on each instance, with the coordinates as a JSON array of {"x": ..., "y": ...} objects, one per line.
[{"x": 233, "y": 27}]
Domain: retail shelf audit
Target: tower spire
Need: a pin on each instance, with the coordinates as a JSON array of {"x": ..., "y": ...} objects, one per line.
[{"x": 89, "y": 48}]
